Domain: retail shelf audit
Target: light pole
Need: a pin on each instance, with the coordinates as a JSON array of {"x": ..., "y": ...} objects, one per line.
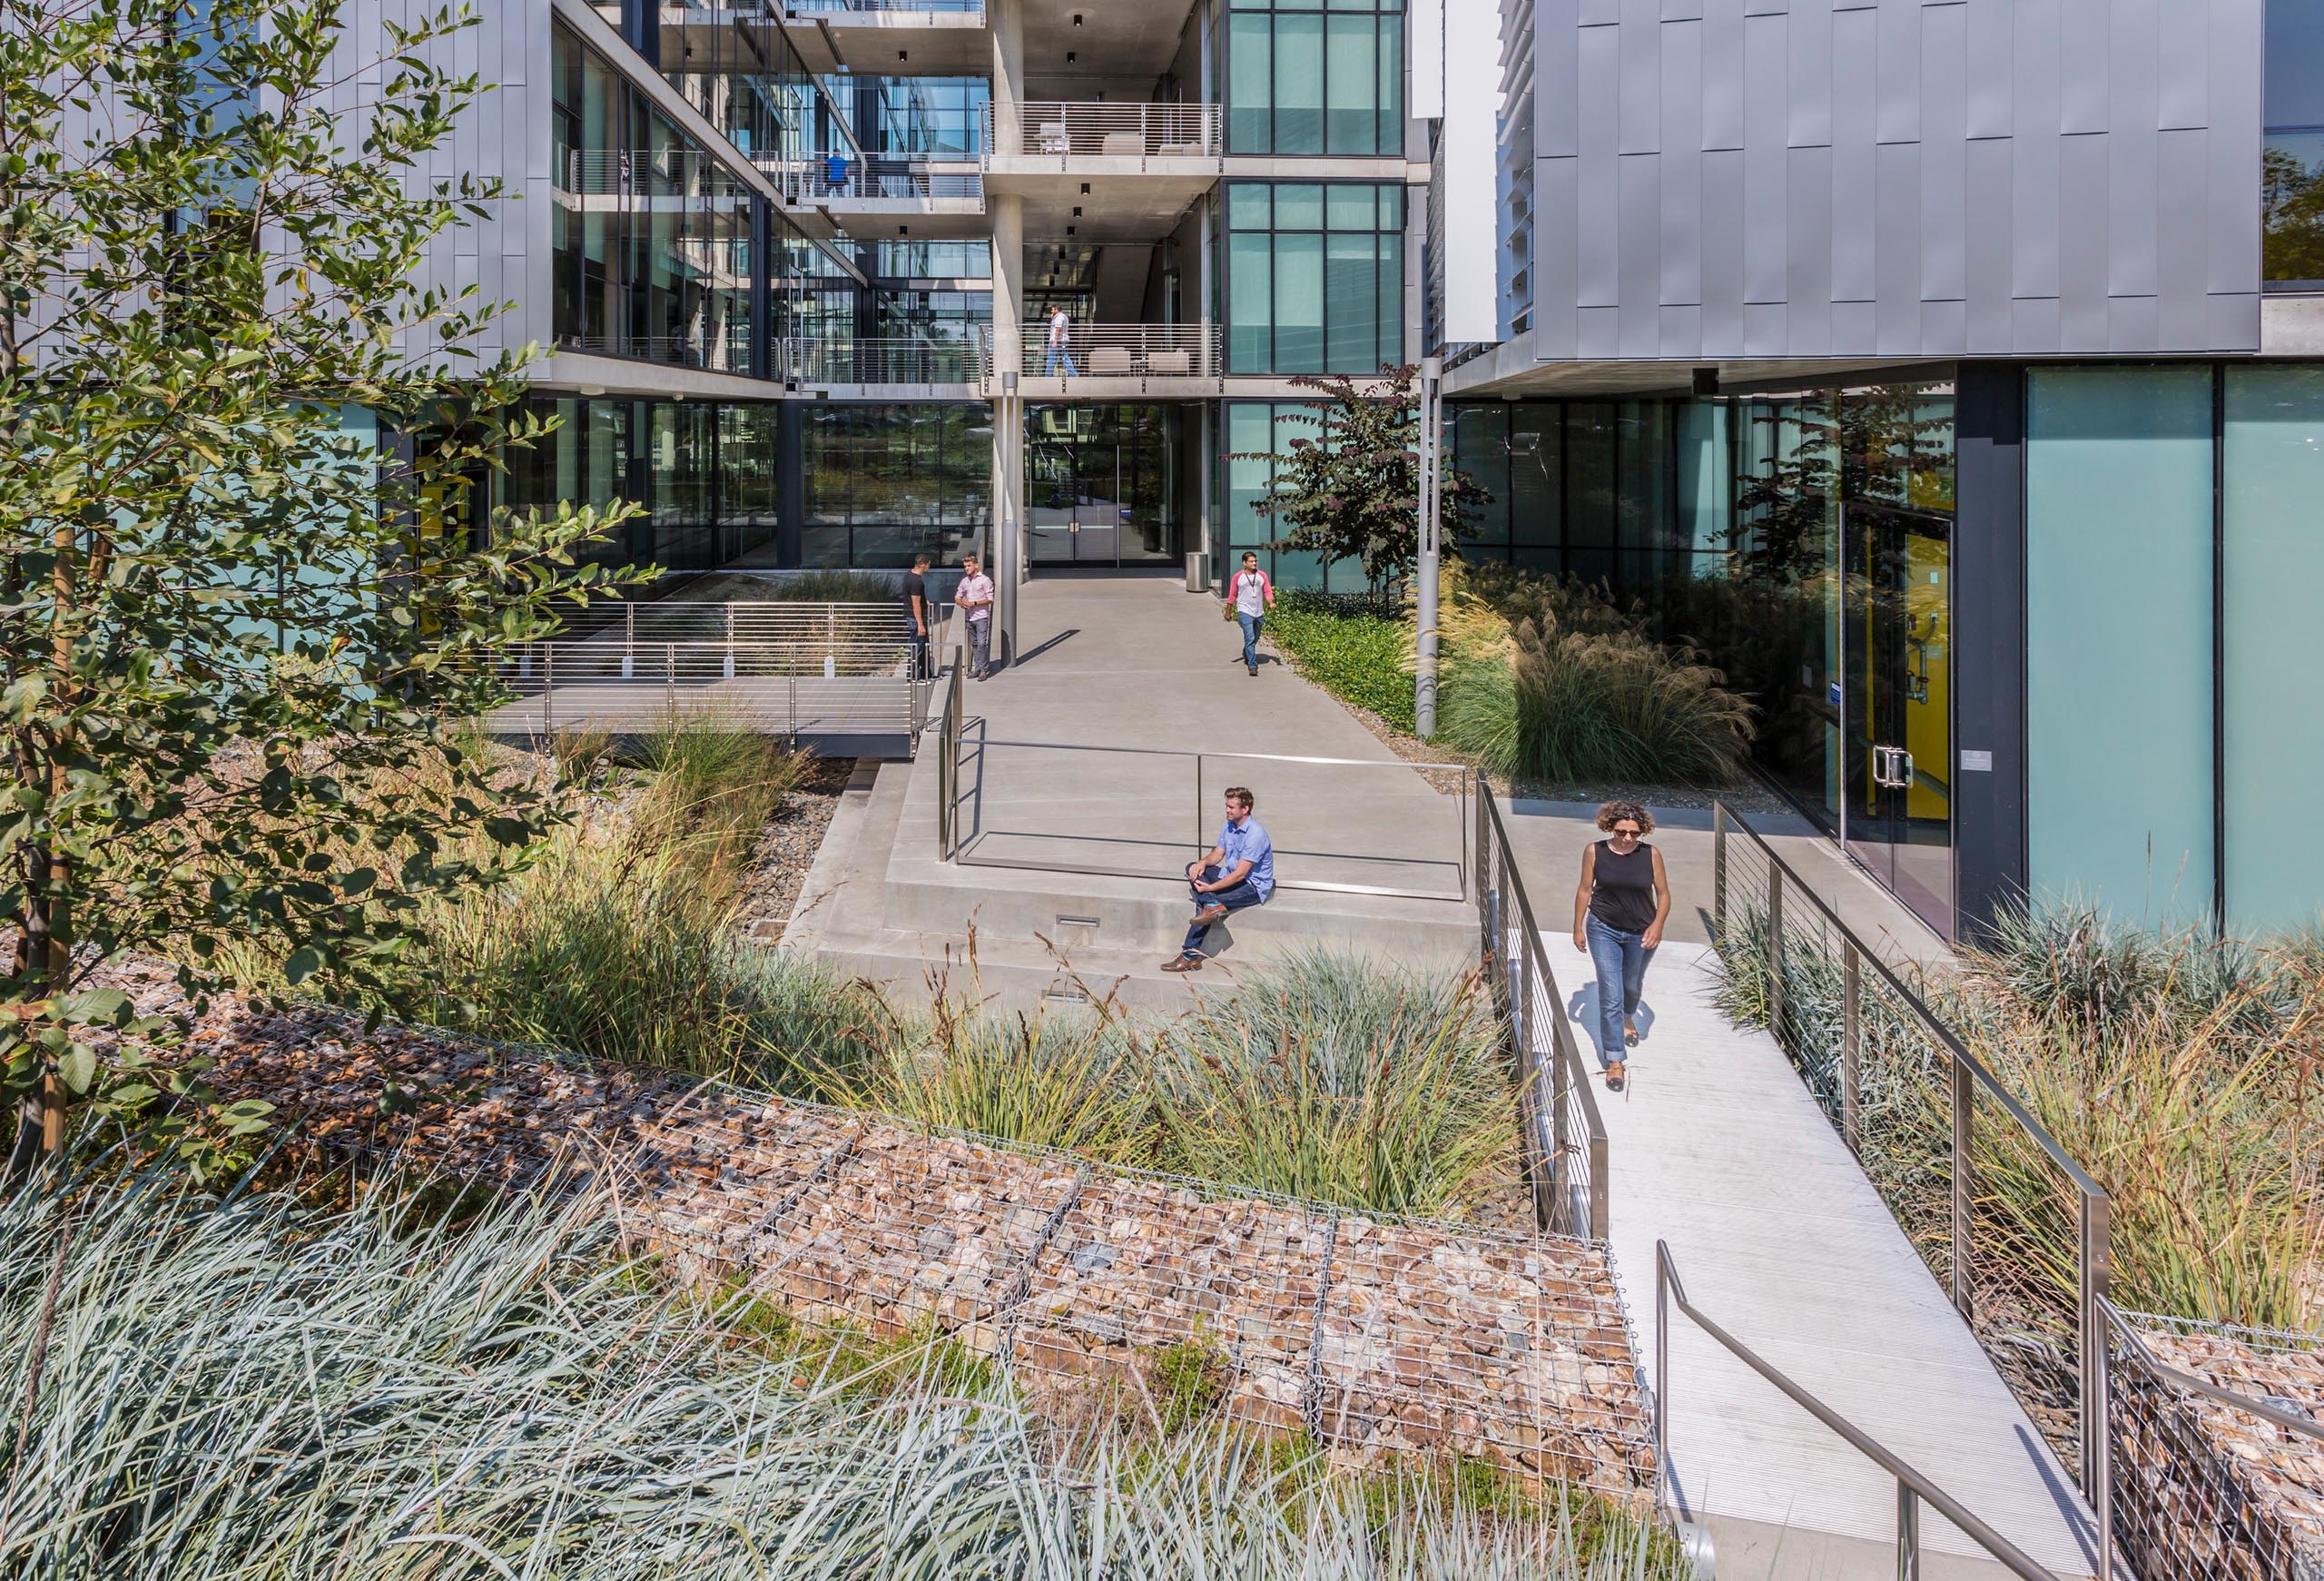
[{"x": 1431, "y": 374}]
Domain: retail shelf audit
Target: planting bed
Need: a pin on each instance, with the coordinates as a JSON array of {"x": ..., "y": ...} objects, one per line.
[{"x": 1373, "y": 1338}]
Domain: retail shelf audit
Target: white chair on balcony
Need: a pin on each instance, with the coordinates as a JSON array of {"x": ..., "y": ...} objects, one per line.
[
  {"x": 1179, "y": 151},
  {"x": 1175, "y": 364},
  {"x": 1109, "y": 359},
  {"x": 1123, "y": 145},
  {"x": 1053, "y": 137}
]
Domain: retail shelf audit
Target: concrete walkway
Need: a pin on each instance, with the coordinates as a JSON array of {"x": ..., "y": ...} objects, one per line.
[
  {"x": 1140, "y": 665},
  {"x": 1716, "y": 1147}
]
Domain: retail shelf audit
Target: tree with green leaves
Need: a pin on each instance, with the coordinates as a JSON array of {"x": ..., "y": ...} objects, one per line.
[
  {"x": 1353, "y": 491},
  {"x": 245, "y": 597}
]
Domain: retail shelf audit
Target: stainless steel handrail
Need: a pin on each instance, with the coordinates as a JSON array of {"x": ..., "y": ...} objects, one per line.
[
  {"x": 1912, "y": 1487},
  {"x": 1324, "y": 886},
  {"x": 2093, "y": 1255},
  {"x": 1571, "y": 1108}
]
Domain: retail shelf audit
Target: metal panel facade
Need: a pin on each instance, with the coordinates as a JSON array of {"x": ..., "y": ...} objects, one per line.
[{"x": 1898, "y": 178}]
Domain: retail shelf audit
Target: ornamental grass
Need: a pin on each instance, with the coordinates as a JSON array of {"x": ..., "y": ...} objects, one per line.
[{"x": 255, "y": 1387}]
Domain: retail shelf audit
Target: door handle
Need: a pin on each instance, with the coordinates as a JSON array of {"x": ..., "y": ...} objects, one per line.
[{"x": 1904, "y": 769}]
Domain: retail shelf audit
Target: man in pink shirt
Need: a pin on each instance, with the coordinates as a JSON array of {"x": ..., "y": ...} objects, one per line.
[
  {"x": 1250, "y": 595},
  {"x": 974, "y": 596}
]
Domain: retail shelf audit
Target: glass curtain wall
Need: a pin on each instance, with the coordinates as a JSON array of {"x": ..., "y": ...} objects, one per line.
[
  {"x": 1586, "y": 491},
  {"x": 705, "y": 473},
  {"x": 1314, "y": 276},
  {"x": 2292, "y": 177},
  {"x": 650, "y": 236},
  {"x": 732, "y": 63},
  {"x": 1305, "y": 79},
  {"x": 885, "y": 482}
]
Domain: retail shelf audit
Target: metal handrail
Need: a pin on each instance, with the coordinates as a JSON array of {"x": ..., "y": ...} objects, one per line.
[
  {"x": 1571, "y": 1113},
  {"x": 2094, "y": 1256},
  {"x": 1912, "y": 1487},
  {"x": 948, "y": 770},
  {"x": 1318, "y": 885},
  {"x": 805, "y": 178},
  {"x": 1116, "y": 351},
  {"x": 1111, "y": 130},
  {"x": 948, "y": 8},
  {"x": 803, "y": 359}
]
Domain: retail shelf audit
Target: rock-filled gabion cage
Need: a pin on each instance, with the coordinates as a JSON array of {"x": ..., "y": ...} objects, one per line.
[
  {"x": 1374, "y": 1338},
  {"x": 2205, "y": 1491}
]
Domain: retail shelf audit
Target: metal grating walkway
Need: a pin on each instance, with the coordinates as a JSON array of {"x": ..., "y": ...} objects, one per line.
[{"x": 1718, "y": 1149}]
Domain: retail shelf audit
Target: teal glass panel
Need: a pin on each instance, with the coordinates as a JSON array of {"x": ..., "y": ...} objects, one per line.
[
  {"x": 1391, "y": 94},
  {"x": 1349, "y": 283},
  {"x": 1299, "y": 302},
  {"x": 1250, "y": 301},
  {"x": 1391, "y": 299},
  {"x": 1249, "y": 433},
  {"x": 1705, "y": 506},
  {"x": 1298, "y": 85},
  {"x": 2118, "y": 595},
  {"x": 1250, "y": 83},
  {"x": 2273, "y": 471},
  {"x": 1349, "y": 206},
  {"x": 1299, "y": 206},
  {"x": 1351, "y": 116},
  {"x": 1247, "y": 206}
]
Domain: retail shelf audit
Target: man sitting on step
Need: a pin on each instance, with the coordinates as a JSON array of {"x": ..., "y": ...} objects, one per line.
[{"x": 1239, "y": 872}]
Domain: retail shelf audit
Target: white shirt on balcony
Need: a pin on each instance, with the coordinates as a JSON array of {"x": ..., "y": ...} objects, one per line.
[{"x": 1059, "y": 328}]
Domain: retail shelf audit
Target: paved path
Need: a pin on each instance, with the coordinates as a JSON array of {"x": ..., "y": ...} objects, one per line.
[
  {"x": 1140, "y": 663},
  {"x": 1717, "y": 1148}
]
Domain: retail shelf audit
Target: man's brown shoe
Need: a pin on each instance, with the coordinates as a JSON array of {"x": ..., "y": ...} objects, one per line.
[
  {"x": 1615, "y": 1076},
  {"x": 1209, "y": 913},
  {"x": 1183, "y": 964}
]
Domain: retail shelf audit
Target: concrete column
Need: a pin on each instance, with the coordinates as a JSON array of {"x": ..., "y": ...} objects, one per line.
[
  {"x": 1007, "y": 213},
  {"x": 1008, "y": 557},
  {"x": 1006, "y": 18}
]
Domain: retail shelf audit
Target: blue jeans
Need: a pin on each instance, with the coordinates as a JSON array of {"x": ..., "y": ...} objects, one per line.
[
  {"x": 1233, "y": 899},
  {"x": 1059, "y": 354},
  {"x": 1250, "y": 625},
  {"x": 1620, "y": 959}
]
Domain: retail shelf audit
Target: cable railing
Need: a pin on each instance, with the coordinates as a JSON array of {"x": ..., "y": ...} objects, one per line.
[
  {"x": 2203, "y": 1468},
  {"x": 778, "y": 687},
  {"x": 715, "y": 353},
  {"x": 808, "y": 360},
  {"x": 669, "y": 172},
  {"x": 1913, "y": 1489},
  {"x": 1887, "y": 1070},
  {"x": 807, "y": 625},
  {"x": 1563, "y": 1149},
  {"x": 1122, "y": 350},
  {"x": 945, "y": 8},
  {"x": 815, "y": 178},
  {"x": 1109, "y": 130}
]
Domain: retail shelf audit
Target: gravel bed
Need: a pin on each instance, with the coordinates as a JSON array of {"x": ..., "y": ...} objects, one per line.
[{"x": 787, "y": 846}]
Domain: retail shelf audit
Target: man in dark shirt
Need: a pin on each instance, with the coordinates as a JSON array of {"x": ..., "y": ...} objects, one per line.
[{"x": 917, "y": 611}]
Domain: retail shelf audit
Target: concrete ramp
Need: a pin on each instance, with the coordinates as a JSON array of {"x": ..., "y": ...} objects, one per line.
[{"x": 1718, "y": 1149}]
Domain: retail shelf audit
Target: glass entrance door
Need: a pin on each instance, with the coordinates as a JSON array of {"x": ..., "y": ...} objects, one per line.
[
  {"x": 1897, "y": 643},
  {"x": 1099, "y": 485}
]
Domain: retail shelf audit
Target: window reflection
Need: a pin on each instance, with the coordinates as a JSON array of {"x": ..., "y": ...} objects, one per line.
[{"x": 2291, "y": 189}]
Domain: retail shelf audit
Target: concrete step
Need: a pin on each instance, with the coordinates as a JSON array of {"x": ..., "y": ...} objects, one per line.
[{"x": 1011, "y": 974}]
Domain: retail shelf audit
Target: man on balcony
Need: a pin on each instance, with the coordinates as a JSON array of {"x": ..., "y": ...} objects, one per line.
[{"x": 1060, "y": 335}]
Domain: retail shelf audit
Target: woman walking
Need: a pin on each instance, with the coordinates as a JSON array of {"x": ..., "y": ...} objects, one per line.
[
  {"x": 1249, "y": 596},
  {"x": 1618, "y": 915}
]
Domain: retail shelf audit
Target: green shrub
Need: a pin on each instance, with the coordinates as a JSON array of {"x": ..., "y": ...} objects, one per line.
[
  {"x": 832, "y": 585},
  {"x": 244, "y": 1387},
  {"x": 1351, "y": 648},
  {"x": 1187, "y": 1381}
]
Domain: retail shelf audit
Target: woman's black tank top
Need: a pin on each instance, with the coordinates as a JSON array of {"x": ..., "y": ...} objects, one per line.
[{"x": 1624, "y": 895}]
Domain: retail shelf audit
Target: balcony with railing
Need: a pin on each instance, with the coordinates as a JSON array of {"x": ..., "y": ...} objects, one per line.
[
  {"x": 847, "y": 184},
  {"x": 1110, "y": 358},
  {"x": 1107, "y": 138},
  {"x": 958, "y": 366},
  {"x": 838, "y": 12}
]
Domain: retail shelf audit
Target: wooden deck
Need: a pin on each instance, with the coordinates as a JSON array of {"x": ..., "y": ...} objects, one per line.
[{"x": 1717, "y": 1148}]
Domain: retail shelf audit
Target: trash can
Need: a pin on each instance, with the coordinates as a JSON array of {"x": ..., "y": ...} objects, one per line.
[{"x": 1197, "y": 572}]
